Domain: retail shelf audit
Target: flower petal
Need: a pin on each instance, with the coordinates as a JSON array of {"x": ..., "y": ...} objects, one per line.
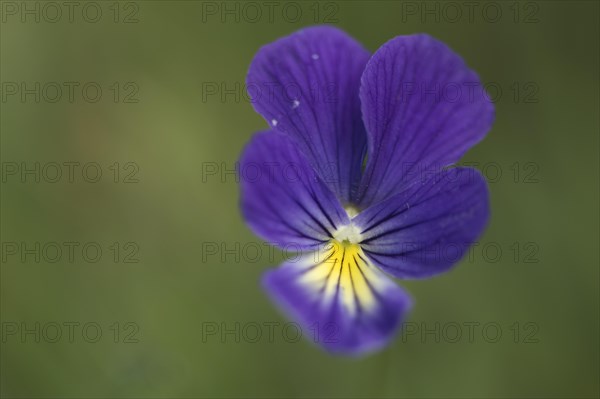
[
  {"x": 340, "y": 299},
  {"x": 428, "y": 227},
  {"x": 283, "y": 200},
  {"x": 306, "y": 86},
  {"x": 423, "y": 109}
]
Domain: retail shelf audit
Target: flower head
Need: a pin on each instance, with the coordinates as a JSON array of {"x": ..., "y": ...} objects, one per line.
[{"x": 353, "y": 174}]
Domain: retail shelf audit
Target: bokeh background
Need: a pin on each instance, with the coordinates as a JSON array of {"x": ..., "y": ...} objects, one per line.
[{"x": 174, "y": 139}]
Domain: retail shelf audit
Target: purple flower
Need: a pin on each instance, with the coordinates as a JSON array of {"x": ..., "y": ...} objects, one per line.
[{"x": 353, "y": 175}]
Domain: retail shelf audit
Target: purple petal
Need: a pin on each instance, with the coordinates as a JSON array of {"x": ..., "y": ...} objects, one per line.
[
  {"x": 340, "y": 300},
  {"x": 423, "y": 109},
  {"x": 428, "y": 227},
  {"x": 306, "y": 86},
  {"x": 283, "y": 200}
]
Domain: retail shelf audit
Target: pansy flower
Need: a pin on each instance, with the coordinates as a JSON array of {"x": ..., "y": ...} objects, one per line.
[{"x": 354, "y": 174}]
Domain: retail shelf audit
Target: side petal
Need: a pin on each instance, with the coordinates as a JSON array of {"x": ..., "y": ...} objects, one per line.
[
  {"x": 425, "y": 229},
  {"x": 423, "y": 109},
  {"x": 282, "y": 198},
  {"x": 306, "y": 86},
  {"x": 341, "y": 301}
]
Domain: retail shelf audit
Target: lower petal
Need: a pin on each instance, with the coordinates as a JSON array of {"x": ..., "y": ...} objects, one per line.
[{"x": 341, "y": 300}]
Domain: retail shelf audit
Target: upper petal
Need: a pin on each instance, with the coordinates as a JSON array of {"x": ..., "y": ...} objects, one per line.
[
  {"x": 306, "y": 86},
  {"x": 423, "y": 109},
  {"x": 282, "y": 198},
  {"x": 428, "y": 227}
]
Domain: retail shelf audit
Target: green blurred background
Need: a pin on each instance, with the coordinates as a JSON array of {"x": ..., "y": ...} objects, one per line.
[{"x": 161, "y": 120}]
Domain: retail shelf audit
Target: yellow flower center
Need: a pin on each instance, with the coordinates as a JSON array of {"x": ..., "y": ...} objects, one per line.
[{"x": 342, "y": 269}]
